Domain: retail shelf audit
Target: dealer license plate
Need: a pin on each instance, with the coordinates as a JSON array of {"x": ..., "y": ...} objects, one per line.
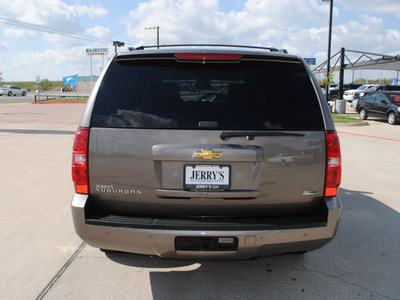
[{"x": 207, "y": 177}]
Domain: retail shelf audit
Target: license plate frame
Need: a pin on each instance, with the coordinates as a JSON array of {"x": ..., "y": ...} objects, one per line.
[{"x": 207, "y": 180}]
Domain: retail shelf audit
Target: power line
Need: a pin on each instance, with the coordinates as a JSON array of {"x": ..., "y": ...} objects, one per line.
[{"x": 51, "y": 30}]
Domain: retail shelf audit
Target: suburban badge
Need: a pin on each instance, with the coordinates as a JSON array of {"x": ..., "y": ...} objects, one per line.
[
  {"x": 207, "y": 154},
  {"x": 310, "y": 193}
]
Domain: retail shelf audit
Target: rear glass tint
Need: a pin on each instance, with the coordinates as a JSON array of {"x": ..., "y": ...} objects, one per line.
[
  {"x": 255, "y": 95},
  {"x": 394, "y": 98},
  {"x": 391, "y": 88}
]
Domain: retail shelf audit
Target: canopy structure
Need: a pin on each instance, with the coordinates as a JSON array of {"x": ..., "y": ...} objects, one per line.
[
  {"x": 364, "y": 61},
  {"x": 385, "y": 63}
]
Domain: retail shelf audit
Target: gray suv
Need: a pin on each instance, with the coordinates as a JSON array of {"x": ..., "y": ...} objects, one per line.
[{"x": 176, "y": 151}]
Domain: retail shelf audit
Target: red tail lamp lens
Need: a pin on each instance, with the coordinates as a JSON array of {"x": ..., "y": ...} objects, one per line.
[
  {"x": 80, "y": 161},
  {"x": 334, "y": 164},
  {"x": 208, "y": 56}
]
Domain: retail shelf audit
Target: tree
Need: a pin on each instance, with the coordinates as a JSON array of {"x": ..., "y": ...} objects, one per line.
[
  {"x": 328, "y": 80},
  {"x": 360, "y": 80},
  {"x": 374, "y": 81},
  {"x": 45, "y": 84}
]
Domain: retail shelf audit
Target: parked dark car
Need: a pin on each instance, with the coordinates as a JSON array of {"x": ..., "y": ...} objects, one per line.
[
  {"x": 380, "y": 104},
  {"x": 334, "y": 92},
  {"x": 375, "y": 88},
  {"x": 387, "y": 87}
]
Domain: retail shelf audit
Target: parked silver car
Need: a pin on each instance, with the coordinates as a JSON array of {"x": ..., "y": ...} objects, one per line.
[
  {"x": 172, "y": 154},
  {"x": 12, "y": 90},
  {"x": 351, "y": 95}
]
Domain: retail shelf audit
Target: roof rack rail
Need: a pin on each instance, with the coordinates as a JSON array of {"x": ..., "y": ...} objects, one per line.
[{"x": 272, "y": 49}]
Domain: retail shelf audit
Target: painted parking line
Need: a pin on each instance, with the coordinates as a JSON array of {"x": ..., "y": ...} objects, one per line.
[{"x": 369, "y": 136}]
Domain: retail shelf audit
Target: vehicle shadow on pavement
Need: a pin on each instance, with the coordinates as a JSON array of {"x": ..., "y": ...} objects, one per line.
[{"x": 361, "y": 262}]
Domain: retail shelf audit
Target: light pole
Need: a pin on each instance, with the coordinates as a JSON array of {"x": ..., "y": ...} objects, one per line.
[
  {"x": 329, "y": 47},
  {"x": 118, "y": 44}
]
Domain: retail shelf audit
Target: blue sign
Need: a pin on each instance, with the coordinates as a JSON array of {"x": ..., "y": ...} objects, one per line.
[
  {"x": 394, "y": 81},
  {"x": 310, "y": 61},
  {"x": 68, "y": 80}
]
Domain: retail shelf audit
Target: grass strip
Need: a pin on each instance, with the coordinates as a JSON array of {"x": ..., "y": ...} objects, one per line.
[
  {"x": 346, "y": 118},
  {"x": 66, "y": 100}
]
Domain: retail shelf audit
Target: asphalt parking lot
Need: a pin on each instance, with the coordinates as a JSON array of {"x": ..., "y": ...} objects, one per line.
[
  {"x": 30, "y": 97},
  {"x": 42, "y": 258},
  {"x": 6, "y": 99}
]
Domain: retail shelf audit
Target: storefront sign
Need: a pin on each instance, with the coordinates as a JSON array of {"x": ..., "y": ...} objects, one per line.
[{"x": 96, "y": 51}]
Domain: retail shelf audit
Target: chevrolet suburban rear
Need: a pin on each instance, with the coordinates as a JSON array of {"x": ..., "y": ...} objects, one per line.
[{"x": 175, "y": 155}]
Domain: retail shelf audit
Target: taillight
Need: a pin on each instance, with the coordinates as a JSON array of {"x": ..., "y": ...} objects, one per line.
[
  {"x": 334, "y": 163},
  {"x": 80, "y": 161},
  {"x": 208, "y": 56}
]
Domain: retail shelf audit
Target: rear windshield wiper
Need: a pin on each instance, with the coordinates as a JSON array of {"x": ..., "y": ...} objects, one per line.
[{"x": 225, "y": 135}]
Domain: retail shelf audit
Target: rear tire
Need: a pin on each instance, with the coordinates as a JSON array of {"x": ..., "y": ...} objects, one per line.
[
  {"x": 23, "y": 93},
  {"x": 363, "y": 114},
  {"x": 391, "y": 118},
  {"x": 9, "y": 94}
]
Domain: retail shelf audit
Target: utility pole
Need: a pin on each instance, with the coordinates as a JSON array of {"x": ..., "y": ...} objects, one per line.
[{"x": 158, "y": 33}]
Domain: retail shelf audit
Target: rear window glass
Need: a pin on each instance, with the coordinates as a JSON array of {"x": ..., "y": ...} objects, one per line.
[
  {"x": 256, "y": 95},
  {"x": 391, "y": 88},
  {"x": 394, "y": 98}
]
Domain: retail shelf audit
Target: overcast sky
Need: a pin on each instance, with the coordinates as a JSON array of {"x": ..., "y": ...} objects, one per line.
[{"x": 300, "y": 26}]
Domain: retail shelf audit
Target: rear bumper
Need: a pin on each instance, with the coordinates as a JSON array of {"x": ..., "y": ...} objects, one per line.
[{"x": 161, "y": 242}]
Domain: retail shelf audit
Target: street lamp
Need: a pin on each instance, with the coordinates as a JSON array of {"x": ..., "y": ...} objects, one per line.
[
  {"x": 118, "y": 44},
  {"x": 329, "y": 47}
]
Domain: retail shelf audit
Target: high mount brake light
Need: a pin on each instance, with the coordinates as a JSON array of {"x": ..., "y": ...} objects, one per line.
[
  {"x": 207, "y": 56},
  {"x": 334, "y": 163},
  {"x": 80, "y": 161}
]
